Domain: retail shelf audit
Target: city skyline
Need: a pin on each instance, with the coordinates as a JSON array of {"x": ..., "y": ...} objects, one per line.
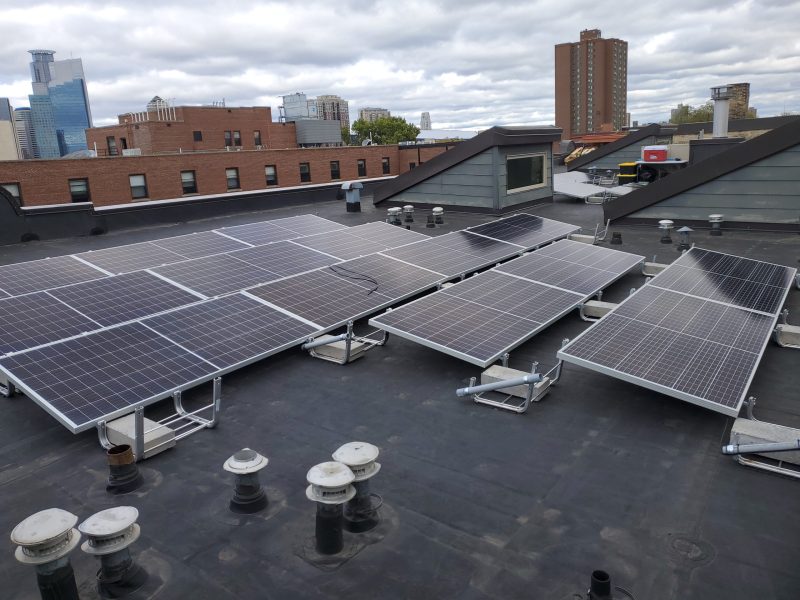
[{"x": 473, "y": 67}]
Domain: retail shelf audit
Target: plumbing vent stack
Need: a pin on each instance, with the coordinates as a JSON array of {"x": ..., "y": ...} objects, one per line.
[
  {"x": 109, "y": 533},
  {"x": 665, "y": 225},
  {"x": 124, "y": 475},
  {"x": 716, "y": 224},
  {"x": 45, "y": 540},
  {"x": 722, "y": 98},
  {"x": 248, "y": 495},
  {"x": 330, "y": 487},
  {"x": 360, "y": 514},
  {"x": 600, "y": 586},
  {"x": 408, "y": 212},
  {"x": 438, "y": 215},
  {"x": 393, "y": 215},
  {"x": 431, "y": 224}
]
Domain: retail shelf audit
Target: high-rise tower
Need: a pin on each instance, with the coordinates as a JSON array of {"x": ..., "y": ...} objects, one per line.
[{"x": 591, "y": 84}]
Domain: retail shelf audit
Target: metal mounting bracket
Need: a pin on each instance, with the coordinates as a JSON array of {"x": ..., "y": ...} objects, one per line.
[{"x": 346, "y": 347}]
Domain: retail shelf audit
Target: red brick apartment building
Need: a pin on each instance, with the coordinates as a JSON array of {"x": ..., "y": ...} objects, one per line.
[{"x": 184, "y": 151}]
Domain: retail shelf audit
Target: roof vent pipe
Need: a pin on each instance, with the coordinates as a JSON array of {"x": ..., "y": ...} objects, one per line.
[
  {"x": 330, "y": 488},
  {"x": 124, "y": 475},
  {"x": 721, "y": 96},
  {"x": 109, "y": 533},
  {"x": 45, "y": 540},
  {"x": 665, "y": 225},
  {"x": 248, "y": 495},
  {"x": 408, "y": 213},
  {"x": 360, "y": 513},
  {"x": 393, "y": 215},
  {"x": 438, "y": 215},
  {"x": 716, "y": 223},
  {"x": 600, "y": 586}
]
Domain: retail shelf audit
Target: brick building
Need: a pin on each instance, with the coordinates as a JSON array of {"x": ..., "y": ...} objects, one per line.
[
  {"x": 192, "y": 129},
  {"x": 115, "y": 180},
  {"x": 591, "y": 84}
]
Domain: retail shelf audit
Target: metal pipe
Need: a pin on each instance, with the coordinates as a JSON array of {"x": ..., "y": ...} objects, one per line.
[
  {"x": 761, "y": 447},
  {"x": 323, "y": 341},
  {"x": 498, "y": 385}
]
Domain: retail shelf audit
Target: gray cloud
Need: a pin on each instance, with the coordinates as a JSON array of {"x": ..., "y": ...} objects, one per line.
[{"x": 469, "y": 63}]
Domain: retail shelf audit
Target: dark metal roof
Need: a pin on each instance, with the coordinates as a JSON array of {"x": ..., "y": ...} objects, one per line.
[
  {"x": 628, "y": 140},
  {"x": 496, "y": 136},
  {"x": 737, "y": 157}
]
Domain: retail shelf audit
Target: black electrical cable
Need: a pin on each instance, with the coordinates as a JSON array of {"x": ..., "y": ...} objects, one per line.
[{"x": 355, "y": 275}]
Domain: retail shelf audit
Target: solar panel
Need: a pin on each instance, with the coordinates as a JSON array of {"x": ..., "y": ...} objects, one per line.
[
  {"x": 215, "y": 275},
  {"x": 38, "y": 275},
  {"x": 693, "y": 333},
  {"x": 231, "y": 331},
  {"x": 133, "y": 257},
  {"x": 308, "y": 225},
  {"x": 341, "y": 244},
  {"x": 257, "y": 234},
  {"x": 197, "y": 245},
  {"x": 389, "y": 235},
  {"x": 528, "y": 231},
  {"x": 284, "y": 258},
  {"x": 104, "y": 374},
  {"x": 122, "y": 298},
  {"x": 391, "y": 278},
  {"x": 454, "y": 253},
  {"x": 37, "y": 319}
]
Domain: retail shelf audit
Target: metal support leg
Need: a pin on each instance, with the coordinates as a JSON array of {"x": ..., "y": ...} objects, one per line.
[
  {"x": 505, "y": 358},
  {"x": 348, "y": 342},
  {"x": 138, "y": 434}
]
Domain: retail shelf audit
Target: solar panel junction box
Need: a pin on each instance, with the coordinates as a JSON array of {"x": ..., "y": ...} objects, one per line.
[
  {"x": 501, "y": 373},
  {"x": 121, "y": 431},
  {"x": 748, "y": 431},
  {"x": 337, "y": 350}
]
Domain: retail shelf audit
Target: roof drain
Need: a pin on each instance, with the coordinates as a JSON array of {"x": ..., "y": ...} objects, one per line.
[
  {"x": 109, "y": 534},
  {"x": 360, "y": 513},
  {"x": 45, "y": 540},
  {"x": 248, "y": 495},
  {"x": 124, "y": 475},
  {"x": 330, "y": 488}
]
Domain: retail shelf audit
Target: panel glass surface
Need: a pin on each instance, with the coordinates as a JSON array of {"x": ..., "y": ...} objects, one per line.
[
  {"x": 388, "y": 277},
  {"x": 303, "y": 225},
  {"x": 216, "y": 275},
  {"x": 133, "y": 257},
  {"x": 525, "y": 230},
  {"x": 88, "y": 378},
  {"x": 123, "y": 298},
  {"x": 389, "y": 235},
  {"x": 231, "y": 330},
  {"x": 37, "y": 319},
  {"x": 341, "y": 244},
  {"x": 284, "y": 258},
  {"x": 257, "y": 234},
  {"x": 196, "y": 245},
  {"x": 38, "y": 275}
]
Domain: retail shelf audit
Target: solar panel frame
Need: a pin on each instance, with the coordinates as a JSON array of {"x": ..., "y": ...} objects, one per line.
[
  {"x": 525, "y": 230},
  {"x": 745, "y": 361}
]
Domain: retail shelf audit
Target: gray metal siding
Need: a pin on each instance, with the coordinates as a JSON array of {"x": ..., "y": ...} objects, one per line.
[
  {"x": 628, "y": 154},
  {"x": 542, "y": 193},
  {"x": 765, "y": 191}
]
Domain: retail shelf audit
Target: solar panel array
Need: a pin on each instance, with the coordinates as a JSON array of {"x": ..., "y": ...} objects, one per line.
[
  {"x": 696, "y": 332},
  {"x": 111, "y": 335},
  {"x": 485, "y": 316}
]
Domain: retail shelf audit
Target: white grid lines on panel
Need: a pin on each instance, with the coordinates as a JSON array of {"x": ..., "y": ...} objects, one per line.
[
  {"x": 284, "y": 258},
  {"x": 44, "y": 274},
  {"x": 198, "y": 245},
  {"x": 216, "y": 275},
  {"x": 133, "y": 257}
]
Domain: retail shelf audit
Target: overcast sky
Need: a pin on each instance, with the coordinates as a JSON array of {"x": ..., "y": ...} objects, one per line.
[{"x": 471, "y": 64}]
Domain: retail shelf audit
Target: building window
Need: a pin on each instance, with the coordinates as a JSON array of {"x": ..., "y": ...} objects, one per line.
[
  {"x": 524, "y": 172},
  {"x": 257, "y": 138},
  {"x": 232, "y": 176},
  {"x": 111, "y": 143},
  {"x": 362, "y": 167},
  {"x": 79, "y": 190},
  {"x": 335, "y": 173},
  {"x": 138, "y": 186},
  {"x": 272, "y": 174},
  {"x": 188, "y": 182},
  {"x": 124, "y": 143},
  {"x": 237, "y": 138},
  {"x": 305, "y": 173},
  {"x": 198, "y": 136},
  {"x": 385, "y": 165},
  {"x": 13, "y": 189},
  {"x": 228, "y": 139}
]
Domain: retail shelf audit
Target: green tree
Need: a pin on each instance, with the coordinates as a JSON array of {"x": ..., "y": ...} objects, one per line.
[
  {"x": 345, "y": 136},
  {"x": 385, "y": 130},
  {"x": 690, "y": 114}
]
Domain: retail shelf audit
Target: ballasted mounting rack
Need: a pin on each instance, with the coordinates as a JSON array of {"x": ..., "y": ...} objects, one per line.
[
  {"x": 148, "y": 438},
  {"x": 787, "y": 336},
  {"x": 346, "y": 347}
]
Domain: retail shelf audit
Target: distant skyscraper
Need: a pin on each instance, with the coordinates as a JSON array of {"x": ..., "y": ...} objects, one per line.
[
  {"x": 371, "y": 114},
  {"x": 425, "y": 121},
  {"x": 591, "y": 84},
  {"x": 60, "y": 110},
  {"x": 24, "y": 128},
  {"x": 9, "y": 145},
  {"x": 333, "y": 108}
]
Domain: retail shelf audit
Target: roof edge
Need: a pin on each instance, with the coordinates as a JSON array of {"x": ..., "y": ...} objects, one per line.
[{"x": 631, "y": 138}]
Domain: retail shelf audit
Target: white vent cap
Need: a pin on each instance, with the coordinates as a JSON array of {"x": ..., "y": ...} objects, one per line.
[
  {"x": 437, "y": 210},
  {"x": 245, "y": 461},
  {"x": 360, "y": 457},
  {"x": 666, "y": 224},
  {"x": 715, "y": 218},
  {"x": 45, "y": 536},
  {"x": 110, "y": 530},
  {"x": 330, "y": 483}
]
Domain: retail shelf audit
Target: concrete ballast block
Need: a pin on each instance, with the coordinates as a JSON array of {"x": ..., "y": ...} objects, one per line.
[{"x": 121, "y": 431}]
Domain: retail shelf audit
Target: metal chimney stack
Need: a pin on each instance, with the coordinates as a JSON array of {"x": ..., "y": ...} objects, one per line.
[
  {"x": 45, "y": 540},
  {"x": 109, "y": 534},
  {"x": 360, "y": 514},
  {"x": 721, "y": 96},
  {"x": 330, "y": 488}
]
